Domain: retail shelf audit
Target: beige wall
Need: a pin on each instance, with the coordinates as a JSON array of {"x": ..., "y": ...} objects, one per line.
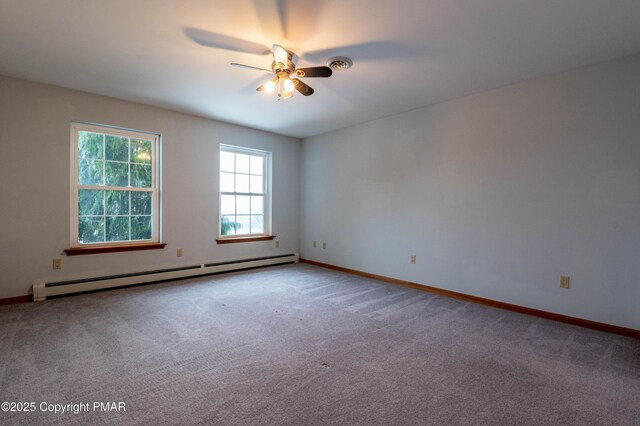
[
  {"x": 498, "y": 194},
  {"x": 34, "y": 182}
]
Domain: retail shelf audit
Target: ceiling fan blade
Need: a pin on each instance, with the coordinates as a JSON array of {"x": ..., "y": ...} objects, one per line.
[
  {"x": 221, "y": 41},
  {"x": 280, "y": 54},
  {"x": 251, "y": 68},
  {"x": 314, "y": 72},
  {"x": 301, "y": 87},
  {"x": 264, "y": 86}
]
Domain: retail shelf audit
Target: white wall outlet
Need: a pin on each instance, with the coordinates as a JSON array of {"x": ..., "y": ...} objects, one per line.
[
  {"x": 57, "y": 264},
  {"x": 324, "y": 246},
  {"x": 179, "y": 252},
  {"x": 565, "y": 281},
  {"x": 315, "y": 244},
  {"x": 413, "y": 259},
  {"x": 277, "y": 244}
]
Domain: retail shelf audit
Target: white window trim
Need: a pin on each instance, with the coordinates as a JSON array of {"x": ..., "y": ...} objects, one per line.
[
  {"x": 155, "y": 189},
  {"x": 266, "y": 196}
]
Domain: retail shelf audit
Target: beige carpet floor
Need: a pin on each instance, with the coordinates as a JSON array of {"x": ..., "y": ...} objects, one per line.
[{"x": 297, "y": 345}]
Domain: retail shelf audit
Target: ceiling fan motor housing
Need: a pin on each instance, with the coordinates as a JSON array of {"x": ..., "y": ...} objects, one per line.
[{"x": 278, "y": 67}]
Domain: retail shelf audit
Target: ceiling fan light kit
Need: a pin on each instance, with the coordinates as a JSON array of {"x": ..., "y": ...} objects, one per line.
[{"x": 287, "y": 76}]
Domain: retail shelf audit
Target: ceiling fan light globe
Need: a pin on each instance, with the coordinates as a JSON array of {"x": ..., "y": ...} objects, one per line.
[
  {"x": 288, "y": 85},
  {"x": 270, "y": 86}
]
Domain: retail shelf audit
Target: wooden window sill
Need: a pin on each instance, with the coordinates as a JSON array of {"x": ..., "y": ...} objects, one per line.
[
  {"x": 76, "y": 251},
  {"x": 244, "y": 239}
]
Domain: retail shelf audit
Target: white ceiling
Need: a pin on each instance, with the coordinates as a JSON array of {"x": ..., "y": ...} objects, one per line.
[{"x": 406, "y": 53}]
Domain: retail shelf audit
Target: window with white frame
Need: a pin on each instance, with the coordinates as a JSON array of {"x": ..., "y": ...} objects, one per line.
[
  {"x": 114, "y": 186},
  {"x": 244, "y": 192}
]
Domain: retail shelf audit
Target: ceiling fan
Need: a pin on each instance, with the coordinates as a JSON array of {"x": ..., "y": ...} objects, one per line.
[{"x": 287, "y": 76}]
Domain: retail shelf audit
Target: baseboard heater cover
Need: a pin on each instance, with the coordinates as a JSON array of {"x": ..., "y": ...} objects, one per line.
[{"x": 42, "y": 290}]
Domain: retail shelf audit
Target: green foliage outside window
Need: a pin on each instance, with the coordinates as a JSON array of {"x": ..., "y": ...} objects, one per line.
[
  {"x": 228, "y": 227},
  {"x": 112, "y": 215}
]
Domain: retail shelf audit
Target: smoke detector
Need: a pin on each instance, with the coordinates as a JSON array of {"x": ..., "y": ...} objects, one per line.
[{"x": 339, "y": 63}]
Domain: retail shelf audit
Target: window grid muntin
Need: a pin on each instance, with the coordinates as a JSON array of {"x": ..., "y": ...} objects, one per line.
[
  {"x": 265, "y": 157},
  {"x": 105, "y": 215},
  {"x": 153, "y": 190}
]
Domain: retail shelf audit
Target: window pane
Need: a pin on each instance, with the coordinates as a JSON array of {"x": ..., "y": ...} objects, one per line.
[
  {"x": 116, "y": 148},
  {"x": 117, "y": 174},
  {"x": 90, "y": 230},
  {"x": 227, "y": 160},
  {"x": 242, "y": 183},
  {"x": 117, "y": 228},
  {"x": 140, "y": 151},
  {"x": 257, "y": 205},
  {"x": 108, "y": 160},
  {"x": 245, "y": 224},
  {"x": 242, "y": 163},
  {"x": 228, "y": 204},
  {"x": 140, "y": 176},
  {"x": 117, "y": 202},
  {"x": 226, "y": 182},
  {"x": 90, "y": 172},
  {"x": 141, "y": 227},
  {"x": 256, "y": 184},
  {"x": 90, "y": 145},
  {"x": 243, "y": 204},
  {"x": 242, "y": 172},
  {"x": 257, "y": 165},
  {"x": 140, "y": 202},
  {"x": 90, "y": 202},
  {"x": 228, "y": 225},
  {"x": 257, "y": 224}
]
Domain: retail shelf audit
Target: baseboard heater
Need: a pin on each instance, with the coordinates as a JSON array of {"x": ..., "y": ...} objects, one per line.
[{"x": 42, "y": 290}]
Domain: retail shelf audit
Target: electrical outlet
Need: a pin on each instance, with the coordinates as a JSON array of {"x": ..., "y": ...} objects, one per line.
[
  {"x": 179, "y": 252},
  {"x": 413, "y": 259},
  {"x": 315, "y": 244},
  {"x": 57, "y": 263},
  {"x": 565, "y": 281},
  {"x": 277, "y": 244},
  {"x": 324, "y": 246}
]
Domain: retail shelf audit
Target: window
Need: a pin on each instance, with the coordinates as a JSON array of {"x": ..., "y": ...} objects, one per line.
[
  {"x": 114, "y": 186},
  {"x": 244, "y": 192}
]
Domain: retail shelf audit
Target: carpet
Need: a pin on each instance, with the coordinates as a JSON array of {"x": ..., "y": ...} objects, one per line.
[{"x": 298, "y": 344}]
